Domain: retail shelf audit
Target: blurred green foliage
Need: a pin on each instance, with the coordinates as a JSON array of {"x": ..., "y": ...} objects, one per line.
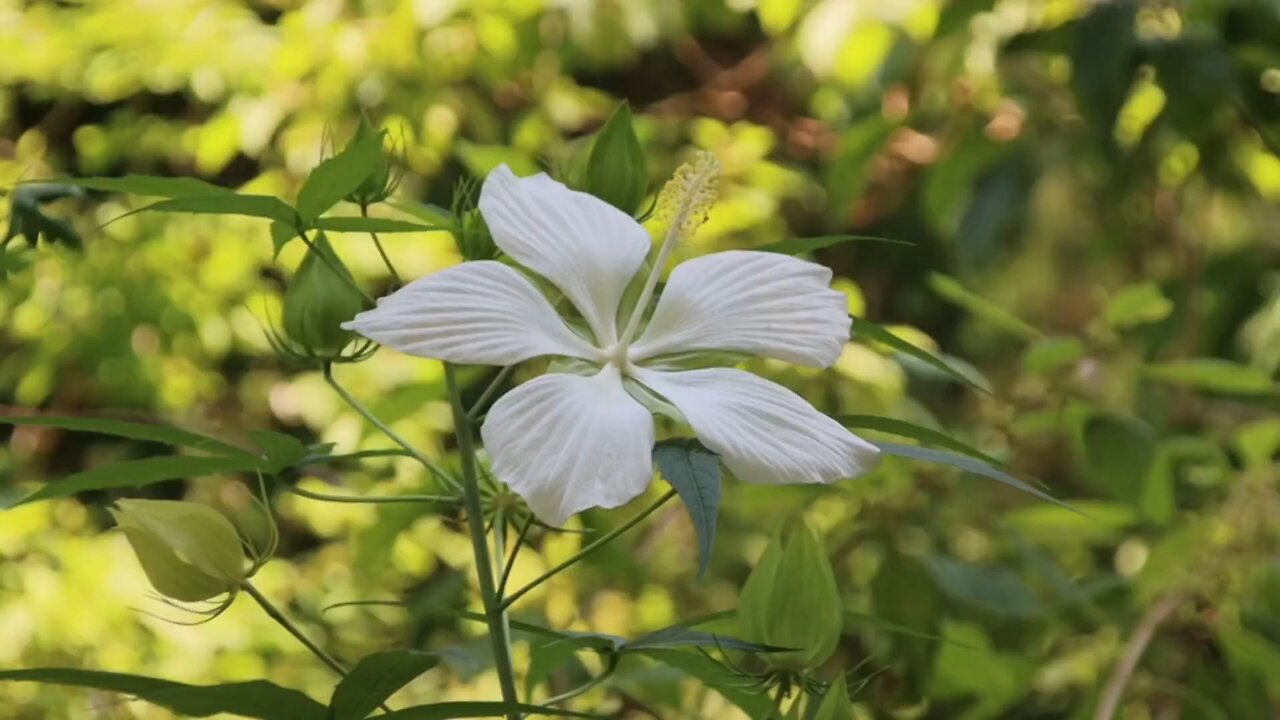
[{"x": 1090, "y": 192}]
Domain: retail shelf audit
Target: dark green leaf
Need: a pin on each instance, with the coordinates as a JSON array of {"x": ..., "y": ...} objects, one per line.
[
  {"x": 150, "y": 185},
  {"x": 871, "y": 331},
  {"x": 853, "y": 618},
  {"x": 253, "y": 699},
  {"x": 997, "y": 590},
  {"x": 372, "y": 224},
  {"x": 694, "y": 472},
  {"x": 280, "y": 450},
  {"x": 137, "y": 473},
  {"x": 145, "y": 432},
  {"x": 968, "y": 464},
  {"x": 1102, "y": 59},
  {"x": 799, "y": 246},
  {"x": 683, "y": 636},
  {"x": 262, "y": 206},
  {"x": 282, "y": 233},
  {"x": 478, "y": 709},
  {"x": 924, "y": 435},
  {"x": 847, "y": 177},
  {"x": 376, "y": 678},
  {"x": 1119, "y": 453},
  {"x": 339, "y": 176}
]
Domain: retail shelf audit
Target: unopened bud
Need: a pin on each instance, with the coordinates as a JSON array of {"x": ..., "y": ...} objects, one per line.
[
  {"x": 188, "y": 551},
  {"x": 386, "y": 175},
  {"x": 321, "y": 296},
  {"x": 616, "y": 171}
]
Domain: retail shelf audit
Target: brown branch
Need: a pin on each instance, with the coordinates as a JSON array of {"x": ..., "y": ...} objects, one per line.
[{"x": 1122, "y": 673}]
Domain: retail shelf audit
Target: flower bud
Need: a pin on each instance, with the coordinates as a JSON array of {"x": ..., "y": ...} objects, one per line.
[
  {"x": 836, "y": 704},
  {"x": 616, "y": 171},
  {"x": 188, "y": 551},
  {"x": 384, "y": 179},
  {"x": 321, "y": 296},
  {"x": 475, "y": 242},
  {"x": 791, "y": 600}
]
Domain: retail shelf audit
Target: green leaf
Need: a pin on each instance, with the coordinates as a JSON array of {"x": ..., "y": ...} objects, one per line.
[
  {"x": 694, "y": 472},
  {"x": 372, "y": 224},
  {"x": 339, "y": 176},
  {"x": 137, "y": 473},
  {"x": 847, "y": 177},
  {"x": 1119, "y": 453},
  {"x": 432, "y": 215},
  {"x": 150, "y": 185},
  {"x": 376, "y": 678},
  {"x": 952, "y": 291},
  {"x": 1048, "y": 354},
  {"x": 968, "y": 464},
  {"x": 145, "y": 432},
  {"x": 994, "y": 589},
  {"x": 262, "y": 206},
  {"x": 1137, "y": 304},
  {"x": 253, "y": 699},
  {"x": 799, "y": 246},
  {"x": 282, "y": 233},
  {"x": 478, "y": 709},
  {"x": 924, "y": 435},
  {"x": 855, "y": 618},
  {"x": 749, "y": 697},
  {"x": 616, "y": 170},
  {"x": 1102, "y": 59},
  {"x": 280, "y": 451},
  {"x": 1214, "y": 375},
  {"x": 684, "y": 636},
  {"x": 1106, "y": 521},
  {"x": 871, "y": 331}
]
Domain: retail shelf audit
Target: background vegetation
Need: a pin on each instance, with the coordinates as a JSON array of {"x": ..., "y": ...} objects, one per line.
[{"x": 1089, "y": 190}]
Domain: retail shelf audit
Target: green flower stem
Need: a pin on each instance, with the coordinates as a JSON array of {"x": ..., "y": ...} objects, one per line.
[
  {"x": 494, "y": 612},
  {"x": 489, "y": 392},
  {"x": 346, "y": 277},
  {"x": 515, "y": 551},
  {"x": 432, "y": 466},
  {"x": 274, "y": 613},
  {"x": 364, "y": 212},
  {"x": 594, "y": 546},
  {"x": 367, "y": 499}
]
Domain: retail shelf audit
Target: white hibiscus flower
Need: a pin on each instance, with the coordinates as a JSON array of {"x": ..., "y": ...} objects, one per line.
[{"x": 567, "y": 442}]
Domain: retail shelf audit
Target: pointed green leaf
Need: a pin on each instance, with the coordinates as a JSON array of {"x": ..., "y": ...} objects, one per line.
[
  {"x": 800, "y": 246},
  {"x": 281, "y": 451},
  {"x": 376, "y": 678},
  {"x": 145, "y": 432},
  {"x": 951, "y": 290},
  {"x": 924, "y": 435},
  {"x": 616, "y": 170},
  {"x": 372, "y": 224},
  {"x": 339, "y": 176},
  {"x": 1213, "y": 375},
  {"x": 683, "y": 636},
  {"x": 735, "y": 688},
  {"x": 871, "y": 331},
  {"x": 433, "y": 215},
  {"x": 262, "y": 206},
  {"x": 254, "y": 699},
  {"x": 137, "y": 473},
  {"x": 150, "y": 186},
  {"x": 282, "y": 233},
  {"x": 1119, "y": 453},
  {"x": 995, "y": 589},
  {"x": 478, "y": 709},
  {"x": 968, "y": 464},
  {"x": 694, "y": 472}
]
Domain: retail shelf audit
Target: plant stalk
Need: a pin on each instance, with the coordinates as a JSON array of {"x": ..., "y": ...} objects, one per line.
[{"x": 495, "y": 613}]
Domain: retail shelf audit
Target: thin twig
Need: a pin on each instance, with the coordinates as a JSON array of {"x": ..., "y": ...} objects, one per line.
[
  {"x": 489, "y": 392},
  {"x": 364, "y": 212},
  {"x": 515, "y": 550},
  {"x": 1133, "y": 651}
]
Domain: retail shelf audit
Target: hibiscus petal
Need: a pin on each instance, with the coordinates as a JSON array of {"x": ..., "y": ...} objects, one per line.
[
  {"x": 587, "y": 247},
  {"x": 478, "y": 312},
  {"x": 764, "y": 432},
  {"x": 566, "y": 443},
  {"x": 756, "y": 302}
]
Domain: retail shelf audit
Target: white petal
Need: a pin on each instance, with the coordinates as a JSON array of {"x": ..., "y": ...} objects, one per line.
[
  {"x": 566, "y": 443},
  {"x": 764, "y": 432},
  {"x": 756, "y": 302},
  {"x": 587, "y": 247},
  {"x": 478, "y": 312}
]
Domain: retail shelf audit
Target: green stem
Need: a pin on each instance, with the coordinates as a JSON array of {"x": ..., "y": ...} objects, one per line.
[
  {"x": 432, "y": 466},
  {"x": 594, "y": 546},
  {"x": 515, "y": 550},
  {"x": 367, "y": 499},
  {"x": 274, "y": 613},
  {"x": 480, "y": 545},
  {"x": 489, "y": 391},
  {"x": 364, "y": 212}
]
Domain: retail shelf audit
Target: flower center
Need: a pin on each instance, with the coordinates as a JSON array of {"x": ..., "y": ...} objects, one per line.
[{"x": 618, "y": 356}]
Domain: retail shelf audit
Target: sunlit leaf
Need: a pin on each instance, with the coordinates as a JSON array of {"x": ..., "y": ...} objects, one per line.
[
  {"x": 372, "y": 224},
  {"x": 1137, "y": 304},
  {"x": 1213, "y": 375},
  {"x": 376, "y": 678},
  {"x": 149, "y": 185},
  {"x": 694, "y": 472},
  {"x": 146, "y": 432},
  {"x": 338, "y": 176},
  {"x": 262, "y": 206},
  {"x": 138, "y": 473},
  {"x": 253, "y": 699}
]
